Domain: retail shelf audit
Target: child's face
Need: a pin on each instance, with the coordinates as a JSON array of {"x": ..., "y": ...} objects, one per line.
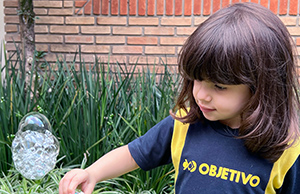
[{"x": 220, "y": 102}]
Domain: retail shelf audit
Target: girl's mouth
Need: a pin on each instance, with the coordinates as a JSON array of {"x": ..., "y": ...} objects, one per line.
[{"x": 205, "y": 109}]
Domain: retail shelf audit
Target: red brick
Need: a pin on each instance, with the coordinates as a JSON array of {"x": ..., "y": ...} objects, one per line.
[
  {"x": 68, "y": 4},
  {"x": 178, "y": 7},
  {"x": 47, "y": 4},
  {"x": 10, "y": 11},
  {"x": 145, "y": 60},
  {"x": 185, "y": 30},
  {"x": 10, "y": 3},
  {"x": 95, "y": 49},
  {"x": 265, "y": 3},
  {"x": 293, "y": 7},
  {"x": 188, "y": 7},
  {"x": 64, "y": 29},
  {"x": 169, "y": 7},
  {"x": 11, "y": 19},
  {"x": 123, "y": 7},
  {"x": 104, "y": 6},
  {"x": 88, "y": 58},
  {"x": 10, "y": 47},
  {"x": 161, "y": 50},
  {"x": 42, "y": 47},
  {"x": 80, "y": 20},
  {"x": 172, "y": 40},
  {"x": 114, "y": 7},
  {"x": 52, "y": 57},
  {"x": 42, "y": 11},
  {"x": 48, "y": 38},
  {"x": 159, "y": 63},
  {"x": 127, "y": 30},
  {"x": 132, "y": 7},
  {"x": 112, "y": 59},
  {"x": 197, "y": 7},
  {"x": 152, "y": 65},
  {"x": 127, "y": 49},
  {"x": 142, "y": 40},
  {"x": 216, "y": 5},
  {"x": 110, "y": 40},
  {"x": 199, "y": 20},
  {"x": 274, "y": 6},
  {"x": 79, "y": 39},
  {"x": 234, "y": 1},
  {"x": 95, "y": 29},
  {"x": 206, "y": 7},
  {"x": 88, "y": 8},
  {"x": 41, "y": 28},
  {"x": 159, "y": 7},
  {"x": 11, "y": 28},
  {"x": 170, "y": 61},
  {"x": 96, "y": 8},
  {"x": 225, "y": 3},
  {"x": 142, "y": 7},
  {"x": 176, "y": 21},
  {"x": 49, "y": 20},
  {"x": 80, "y": 3},
  {"x": 112, "y": 21},
  {"x": 79, "y": 11},
  {"x": 159, "y": 31},
  {"x": 283, "y": 7},
  {"x": 294, "y": 31},
  {"x": 298, "y": 41},
  {"x": 145, "y": 21},
  {"x": 62, "y": 12},
  {"x": 63, "y": 48},
  {"x": 151, "y": 7},
  {"x": 178, "y": 50},
  {"x": 289, "y": 21}
]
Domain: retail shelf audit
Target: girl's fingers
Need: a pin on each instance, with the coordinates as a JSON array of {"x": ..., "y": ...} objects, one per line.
[
  {"x": 71, "y": 180},
  {"x": 75, "y": 182},
  {"x": 88, "y": 186}
]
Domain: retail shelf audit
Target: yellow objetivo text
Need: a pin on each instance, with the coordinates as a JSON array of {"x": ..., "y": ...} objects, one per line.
[{"x": 222, "y": 173}]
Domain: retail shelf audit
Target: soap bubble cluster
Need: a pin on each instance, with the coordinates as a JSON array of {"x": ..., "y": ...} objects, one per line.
[{"x": 34, "y": 149}]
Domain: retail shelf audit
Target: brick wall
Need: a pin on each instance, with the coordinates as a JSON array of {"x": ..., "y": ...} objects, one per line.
[{"x": 152, "y": 31}]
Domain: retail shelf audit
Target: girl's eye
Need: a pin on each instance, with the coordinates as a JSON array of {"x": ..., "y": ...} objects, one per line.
[{"x": 219, "y": 87}]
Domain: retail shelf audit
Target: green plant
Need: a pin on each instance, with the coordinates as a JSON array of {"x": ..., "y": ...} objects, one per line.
[
  {"x": 93, "y": 109},
  {"x": 13, "y": 182}
]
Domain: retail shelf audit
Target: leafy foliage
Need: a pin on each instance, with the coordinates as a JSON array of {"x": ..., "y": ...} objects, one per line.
[{"x": 93, "y": 109}]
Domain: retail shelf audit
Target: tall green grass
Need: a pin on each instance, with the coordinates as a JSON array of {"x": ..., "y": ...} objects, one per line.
[{"x": 93, "y": 109}]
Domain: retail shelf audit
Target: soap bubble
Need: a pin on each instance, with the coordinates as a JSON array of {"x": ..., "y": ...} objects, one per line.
[{"x": 34, "y": 148}]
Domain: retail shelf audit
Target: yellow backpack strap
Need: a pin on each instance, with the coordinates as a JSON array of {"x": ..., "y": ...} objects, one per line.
[
  {"x": 281, "y": 167},
  {"x": 178, "y": 141}
]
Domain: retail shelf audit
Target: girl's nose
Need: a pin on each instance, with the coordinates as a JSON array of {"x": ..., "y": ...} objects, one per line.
[
  {"x": 203, "y": 94},
  {"x": 204, "y": 98}
]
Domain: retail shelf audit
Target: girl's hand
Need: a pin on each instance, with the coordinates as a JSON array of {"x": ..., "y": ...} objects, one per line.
[
  {"x": 73, "y": 179},
  {"x": 113, "y": 164}
]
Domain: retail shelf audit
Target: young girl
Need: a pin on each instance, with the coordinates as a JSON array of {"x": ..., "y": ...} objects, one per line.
[{"x": 236, "y": 128}]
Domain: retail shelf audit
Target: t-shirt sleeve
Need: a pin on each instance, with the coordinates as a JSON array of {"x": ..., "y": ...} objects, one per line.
[
  {"x": 291, "y": 184},
  {"x": 153, "y": 149}
]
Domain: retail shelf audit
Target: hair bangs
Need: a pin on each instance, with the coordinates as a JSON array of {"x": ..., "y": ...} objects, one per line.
[
  {"x": 221, "y": 64},
  {"x": 222, "y": 54}
]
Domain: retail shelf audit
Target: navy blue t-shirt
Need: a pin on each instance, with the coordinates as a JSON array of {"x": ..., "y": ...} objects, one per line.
[{"x": 208, "y": 158}]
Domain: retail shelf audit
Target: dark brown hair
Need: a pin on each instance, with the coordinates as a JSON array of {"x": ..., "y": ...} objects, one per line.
[{"x": 246, "y": 44}]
